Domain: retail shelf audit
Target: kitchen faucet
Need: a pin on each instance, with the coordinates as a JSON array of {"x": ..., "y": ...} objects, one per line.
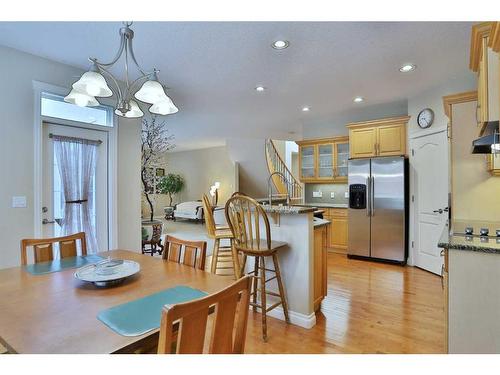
[{"x": 270, "y": 189}]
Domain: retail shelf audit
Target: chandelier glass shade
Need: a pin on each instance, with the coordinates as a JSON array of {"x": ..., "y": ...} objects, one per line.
[{"x": 100, "y": 82}]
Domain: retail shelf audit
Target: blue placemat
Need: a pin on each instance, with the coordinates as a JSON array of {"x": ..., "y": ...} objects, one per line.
[
  {"x": 57, "y": 265},
  {"x": 144, "y": 314}
]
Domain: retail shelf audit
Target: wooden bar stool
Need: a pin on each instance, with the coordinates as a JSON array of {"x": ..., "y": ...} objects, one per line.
[
  {"x": 244, "y": 216},
  {"x": 222, "y": 255}
]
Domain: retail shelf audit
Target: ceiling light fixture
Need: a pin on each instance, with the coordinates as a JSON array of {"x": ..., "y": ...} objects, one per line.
[
  {"x": 358, "y": 99},
  {"x": 305, "y": 109},
  {"x": 280, "y": 44},
  {"x": 93, "y": 84},
  {"x": 407, "y": 68},
  {"x": 260, "y": 88}
]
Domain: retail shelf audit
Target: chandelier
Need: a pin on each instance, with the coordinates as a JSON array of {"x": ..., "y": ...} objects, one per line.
[{"x": 94, "y": 83}]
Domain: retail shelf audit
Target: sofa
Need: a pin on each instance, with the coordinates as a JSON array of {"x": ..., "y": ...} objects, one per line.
[{"x": 189, "y": 210}]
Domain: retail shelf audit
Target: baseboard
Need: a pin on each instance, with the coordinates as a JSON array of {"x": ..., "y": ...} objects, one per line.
[{"x": 298, "y": 319}]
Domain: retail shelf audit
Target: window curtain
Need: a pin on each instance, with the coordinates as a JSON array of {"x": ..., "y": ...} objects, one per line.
[{"x": 76, "y": 160}]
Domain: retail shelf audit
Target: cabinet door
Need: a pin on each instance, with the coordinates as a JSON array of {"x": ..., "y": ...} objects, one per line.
[
  {"x": 325, "y": 161},
  {"x": 391, "y": 140},
  {"x": 482, "y": 87},
  {"x": 307, "y": 162},
  {"x": 338, "y": 233},
  {"x": 319, "y": 266},
  {"x": 341, "y": 158},
  {"x": 362, "y": 142}
]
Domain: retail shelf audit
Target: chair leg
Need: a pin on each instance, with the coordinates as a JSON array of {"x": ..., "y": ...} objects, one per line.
[
  {"x": 236, "y": 261},
  {"x": 243, "y": 264},
  {"x": 255, "y": 282},
  {"x": 281, "y": 289},
  {"x": 215, "y": 255},
  {"x": 263, "y": 298}
]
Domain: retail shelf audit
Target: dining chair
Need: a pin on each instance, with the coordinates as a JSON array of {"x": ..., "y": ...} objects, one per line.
[
  {"x": 193, "y": 253},
  {"x": 245, "y": 217},
  {"x": 43, "y": 247},
  {"x": 228, "y": 328},
  {"x": 222, "y": 255}
]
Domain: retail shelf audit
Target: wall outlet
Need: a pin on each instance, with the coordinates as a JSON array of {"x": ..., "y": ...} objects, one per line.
[
  {"x": 317, "y": 194},
  {"x": 19, "y": 202},
  {"x": 332, "y": 194},
  {"x": 346, "y": 194}
]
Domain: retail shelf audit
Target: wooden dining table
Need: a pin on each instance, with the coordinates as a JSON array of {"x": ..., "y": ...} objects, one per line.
[{"x": 57, "y": 313}]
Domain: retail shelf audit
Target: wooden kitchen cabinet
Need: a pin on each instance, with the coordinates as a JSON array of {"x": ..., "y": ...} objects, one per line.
[
  {"x": 323, "y": 160},
  {"x": 337, "y": 230},
  {"x": 320, "y": 266},
  {"x": 485, "y": 61},
  {"x": 384, "y": 137}
]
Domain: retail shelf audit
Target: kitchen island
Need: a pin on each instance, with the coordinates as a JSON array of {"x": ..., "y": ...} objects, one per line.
[{"x": 302, "y": 261}]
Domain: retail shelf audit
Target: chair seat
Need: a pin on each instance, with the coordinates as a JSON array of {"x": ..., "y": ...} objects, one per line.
[
  {"x": 223, "y": 234},
  {"x": 261, "y": 248}
]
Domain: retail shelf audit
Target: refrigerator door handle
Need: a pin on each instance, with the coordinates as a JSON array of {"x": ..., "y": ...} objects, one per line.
[
  {"x": 372, "y": 198},
  {"x": 368, "y": 195}
]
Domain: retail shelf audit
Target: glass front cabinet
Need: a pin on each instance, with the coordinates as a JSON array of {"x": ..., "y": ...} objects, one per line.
[{"x": 324, "y": 160}]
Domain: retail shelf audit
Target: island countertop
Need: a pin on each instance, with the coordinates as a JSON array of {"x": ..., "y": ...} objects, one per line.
[
  {"x": 287, "y": 210},
  {"x": 455, "y": 240}
]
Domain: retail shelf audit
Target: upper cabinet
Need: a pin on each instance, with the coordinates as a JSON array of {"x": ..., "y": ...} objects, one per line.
[
  {"x": 385, "y": 137},
  {"x": 324, "y": 160},
  {"x": 485, "y": 61}
]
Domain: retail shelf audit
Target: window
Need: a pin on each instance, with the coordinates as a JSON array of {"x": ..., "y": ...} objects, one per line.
[{"x": 54, "y": 106}]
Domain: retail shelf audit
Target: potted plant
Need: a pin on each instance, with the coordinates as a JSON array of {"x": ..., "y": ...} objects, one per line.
[
  {"x": 155, "y": 142},
  {"x": 170, "y": 184}
]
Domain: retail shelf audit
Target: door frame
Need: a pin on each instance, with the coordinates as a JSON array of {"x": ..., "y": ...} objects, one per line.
[{"x": 38, "y": 88}]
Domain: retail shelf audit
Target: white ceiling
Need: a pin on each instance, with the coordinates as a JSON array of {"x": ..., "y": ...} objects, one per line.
[{"x": 213, "y": 67}]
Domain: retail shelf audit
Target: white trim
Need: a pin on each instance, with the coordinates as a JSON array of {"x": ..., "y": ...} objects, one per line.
[
  {"x": 423, "y": 133},
  {"x": 298, "y": 319},
  {"x": 38, "y": 88}
]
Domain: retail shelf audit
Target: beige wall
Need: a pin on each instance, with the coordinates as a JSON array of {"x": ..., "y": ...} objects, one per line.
[
  {"x": 200, "y": 169},
  {"x": 476, "y": 194},
  {"x": 17, "y": 71}
]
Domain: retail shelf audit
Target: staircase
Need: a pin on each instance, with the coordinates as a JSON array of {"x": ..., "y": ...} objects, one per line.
[{"x": 276, "y": 164}]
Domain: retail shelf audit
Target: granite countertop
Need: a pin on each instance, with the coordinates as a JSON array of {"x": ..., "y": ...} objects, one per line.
[
  {"x": 323, "y": 205},
  {"x": 287, "y": 210},
  {"x": 455, "y": 240},
  {"x": 317, "y": 222}
]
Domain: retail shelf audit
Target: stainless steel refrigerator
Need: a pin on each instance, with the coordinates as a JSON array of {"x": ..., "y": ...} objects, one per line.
[{"x": 378, "y": 209}]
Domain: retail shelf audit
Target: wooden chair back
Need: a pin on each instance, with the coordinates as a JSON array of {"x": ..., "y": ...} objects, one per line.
[
  {"x": 229, "y": 328},
  {"x": 193, "y": 253},
  {"x": 236, "y": 193},
  {"x": 43, "y": 247},
  {"x": 243, "y": 215},
  {"x": 208, "y": 211}
]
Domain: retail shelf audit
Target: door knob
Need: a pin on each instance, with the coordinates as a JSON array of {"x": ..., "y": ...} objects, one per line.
[
  {"x": 47, "y": 221},
  {"x": 440, "y": 211}
]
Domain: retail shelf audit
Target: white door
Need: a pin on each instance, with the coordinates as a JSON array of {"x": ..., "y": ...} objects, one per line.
[
  {"x": 52, "y": 195},
  {"x": 430, "y": 162}
]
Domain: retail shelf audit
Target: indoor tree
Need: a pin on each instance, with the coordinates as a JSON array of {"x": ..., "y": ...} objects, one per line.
[
  {"x": 155, "y": 142},
  {"x": 171, "y": 184}
]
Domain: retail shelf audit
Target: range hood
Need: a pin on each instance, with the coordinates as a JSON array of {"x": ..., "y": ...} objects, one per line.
[{"x": 483, "y": 144}]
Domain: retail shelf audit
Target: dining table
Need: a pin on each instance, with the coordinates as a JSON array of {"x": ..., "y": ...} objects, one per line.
[{"x": 57, "y": 313}]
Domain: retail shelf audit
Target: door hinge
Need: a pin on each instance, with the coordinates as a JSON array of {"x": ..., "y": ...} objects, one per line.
[
  {"x": 413, "y": 198},
  {"x": 412, "y": 244},
  {"x": 448, "y": 130},
  {"x": 412, "y": 152}
]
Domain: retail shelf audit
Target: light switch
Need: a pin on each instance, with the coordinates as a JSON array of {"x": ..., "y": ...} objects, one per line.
[
  {"x": 19, "y": 202},
  {"x": 332, "y": 194},
  {"x": 346, "y": 194},
  {"x": 317, "y": 194}
]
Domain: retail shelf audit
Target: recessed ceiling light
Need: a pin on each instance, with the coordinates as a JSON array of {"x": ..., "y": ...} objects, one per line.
[
  {"x": 358, "y": 99},
  {"x": 407, "y": 68},
  {"x": 280, "y": 44},
  {"x": 305, "y": 109},
  {"x": 260, "y": 88}
]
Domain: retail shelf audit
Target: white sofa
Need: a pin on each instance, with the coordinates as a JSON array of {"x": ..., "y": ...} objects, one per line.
[{"x": 189, "y": 210}]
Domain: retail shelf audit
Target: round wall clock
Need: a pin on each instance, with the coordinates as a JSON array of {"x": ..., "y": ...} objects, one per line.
[{"x": 425, "y": 118}]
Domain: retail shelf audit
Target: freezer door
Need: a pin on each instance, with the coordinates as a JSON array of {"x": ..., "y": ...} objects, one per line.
[
  {"x": 358, "y": 216},
  {"x": 388, "y": 208}
]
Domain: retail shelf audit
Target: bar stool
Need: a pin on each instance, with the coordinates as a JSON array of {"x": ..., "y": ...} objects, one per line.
[
  {"x": 221, "y": 255},
  {"x": 244, "y": 216}
]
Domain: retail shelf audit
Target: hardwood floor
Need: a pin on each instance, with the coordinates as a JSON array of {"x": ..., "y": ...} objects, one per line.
[{"x": 370, "y": 308}]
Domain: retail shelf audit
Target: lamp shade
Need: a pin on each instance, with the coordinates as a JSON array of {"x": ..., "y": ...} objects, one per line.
[
  {"x": 93, "y": 84},
  {"x": 150, "y": 92},
  {"x": 81, "y": 99},
  {"x": 133, "y": 112},
  {"x": 164, "y": 107}
]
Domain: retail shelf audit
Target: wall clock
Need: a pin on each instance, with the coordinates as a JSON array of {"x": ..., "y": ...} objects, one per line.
[{"x": 425, "y": 118}]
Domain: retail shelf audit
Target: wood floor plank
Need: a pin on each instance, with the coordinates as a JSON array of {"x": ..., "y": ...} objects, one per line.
[{"x": 370, "y": 308}]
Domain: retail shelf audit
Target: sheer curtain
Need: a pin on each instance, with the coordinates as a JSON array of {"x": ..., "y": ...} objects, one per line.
[{"x": 76, "y": 160}]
